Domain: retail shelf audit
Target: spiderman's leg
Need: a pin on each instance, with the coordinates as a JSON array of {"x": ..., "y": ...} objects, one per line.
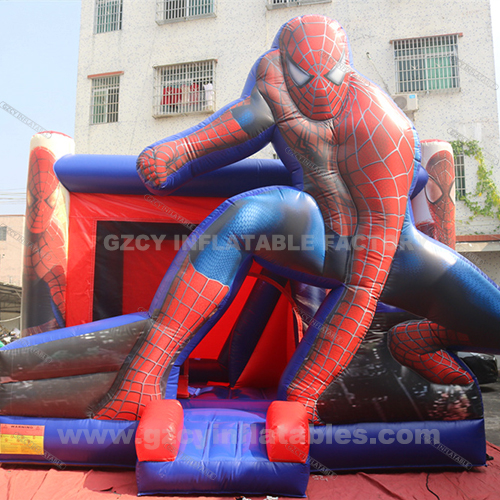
[
  {"x": 432, "y": 281},
  {"x": 421, "y": 346},
  {"x": 327, "y": 348},
  {"x": 204, "y": 277}
]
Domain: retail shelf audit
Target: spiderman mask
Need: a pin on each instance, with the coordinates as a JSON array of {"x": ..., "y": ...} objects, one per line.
[{"x": 315, "y": 59}]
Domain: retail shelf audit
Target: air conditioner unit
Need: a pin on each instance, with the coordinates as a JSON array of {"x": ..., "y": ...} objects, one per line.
[{"x": 407, "y": 102}]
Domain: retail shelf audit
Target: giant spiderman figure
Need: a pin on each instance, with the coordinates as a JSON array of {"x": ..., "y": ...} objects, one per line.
[{"x": 353, "y": 156}]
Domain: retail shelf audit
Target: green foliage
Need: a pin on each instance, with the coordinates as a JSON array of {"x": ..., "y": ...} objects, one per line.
[{"x": 485, "y": 200}]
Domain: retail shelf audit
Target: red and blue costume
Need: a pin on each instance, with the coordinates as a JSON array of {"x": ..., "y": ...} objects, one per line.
[
  {"x": 440, "y": 196},
  {"x": 45, "y": 254},
  {"x": 353, "y": 157}
]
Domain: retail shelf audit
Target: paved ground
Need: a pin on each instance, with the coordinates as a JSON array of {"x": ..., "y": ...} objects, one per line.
[{"x": 491, "y": 402}]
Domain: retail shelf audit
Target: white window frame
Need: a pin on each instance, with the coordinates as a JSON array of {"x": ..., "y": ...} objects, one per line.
[
  {"x": 460, "y": 183},
  {"x": 185, "y": 88},
  {"x": 111, "y": 18},
  {"x": 105, "y": 98},
  {"x": 427, "y": 64},
  {"x": 278, "y": 4},
  {"x": 171, "y": 11}
]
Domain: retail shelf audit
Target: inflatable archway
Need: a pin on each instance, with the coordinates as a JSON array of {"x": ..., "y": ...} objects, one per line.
[{"x": 302, "y": 321}]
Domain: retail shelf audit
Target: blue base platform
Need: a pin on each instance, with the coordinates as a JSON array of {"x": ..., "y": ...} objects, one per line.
[
  {"x": 363, "y": 446},
  {"x": 223, "y": 452}
]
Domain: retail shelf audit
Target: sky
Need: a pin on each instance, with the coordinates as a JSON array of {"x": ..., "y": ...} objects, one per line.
[{"x": 38, "y": 69}]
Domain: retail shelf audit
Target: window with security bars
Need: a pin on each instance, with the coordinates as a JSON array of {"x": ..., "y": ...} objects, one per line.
[
  {"x": 284, "y": 3},
  {"x": 184, "y": 88},
  {"x": 108, "y": 15},
  {"x": 427, "y": 64},
  {"x": 460, "y": 191},
  {"x": 105, "y": 99},
  {"x": 3, "y": 233},
  {"x": 178, "y": 10}
]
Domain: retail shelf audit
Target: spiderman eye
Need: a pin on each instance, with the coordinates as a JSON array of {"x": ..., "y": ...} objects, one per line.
[
  {"x": 29, "y": 198},
  {"x": 299, "y": 76},
  {"x": 337, "y": 74},
  {"x": 452, "y": 193},
  {"x": 433, "y": 191},
  {"x": 52, "y": 199}
]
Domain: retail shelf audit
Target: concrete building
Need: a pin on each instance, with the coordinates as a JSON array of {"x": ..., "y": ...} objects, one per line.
[
  {"x": 151, "y": 68},
  {"x": 10, "y": 308},
  {"x": 11, "y": 261},
  {"x": 11, "y": 249}
]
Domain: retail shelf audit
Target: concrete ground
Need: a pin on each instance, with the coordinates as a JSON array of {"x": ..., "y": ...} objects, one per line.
[{"x": 491, "y": 402}]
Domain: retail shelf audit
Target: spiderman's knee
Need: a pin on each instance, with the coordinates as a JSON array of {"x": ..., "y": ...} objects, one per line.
[
  {"x": 282, "y": 210},
  {"x": 417, "y": 337}
]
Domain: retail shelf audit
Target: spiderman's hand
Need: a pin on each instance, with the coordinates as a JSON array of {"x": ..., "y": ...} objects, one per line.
[
  {"x": 156, "y": 164},
  {"x": 167, "y": 166}
]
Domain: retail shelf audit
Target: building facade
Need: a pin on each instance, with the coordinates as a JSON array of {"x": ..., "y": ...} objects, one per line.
[
  {"x": 11, "y": 249},
  {"x": 151, "y": 68},
  {"x": 11, "y": 269}
]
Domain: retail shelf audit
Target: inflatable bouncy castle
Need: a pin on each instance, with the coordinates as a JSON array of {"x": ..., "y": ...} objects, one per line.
[{"x": 230, "y": 325}]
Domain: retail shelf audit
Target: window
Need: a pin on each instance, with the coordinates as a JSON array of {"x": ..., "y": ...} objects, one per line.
[
  {"x": 459, "y": 176},
  {"x": 426, "y": 64},
  {"x": 179, "y": 10},
  {"x": 104, "y": 103},
  {"x": 3, "y": 233},
  {"x": 184, "y": 88},
  {"x": 108, "y": 15},
  {"x": 271, "y": 4}
]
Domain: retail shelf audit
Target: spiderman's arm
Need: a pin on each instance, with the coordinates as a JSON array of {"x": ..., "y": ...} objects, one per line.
[
  {"x": 378, "y": 177},
  {"x": 235, "y": 132},
  {"x": 375, "y": 159}
]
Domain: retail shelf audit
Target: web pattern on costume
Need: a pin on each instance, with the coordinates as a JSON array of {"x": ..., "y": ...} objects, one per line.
[
  {"x": 191, "y": 299},
  {"x": 420, "y": 345},
  {"x": 317, "y": 48},
  {"x": 42, "y": 187},
  {"x": 440, "y": 194},
  {"x": 373, "y": 160},
  {"x": 358, "y": 165},
  {"x": 45, "y": 236},
  {"x": 309, "y": 142},
  {"x": 156, "y": 164}
]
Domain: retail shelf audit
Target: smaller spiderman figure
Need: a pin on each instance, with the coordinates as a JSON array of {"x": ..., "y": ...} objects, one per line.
[
  {"x": 440, "y": 195},
  {"x": 45, "y": 254}
]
